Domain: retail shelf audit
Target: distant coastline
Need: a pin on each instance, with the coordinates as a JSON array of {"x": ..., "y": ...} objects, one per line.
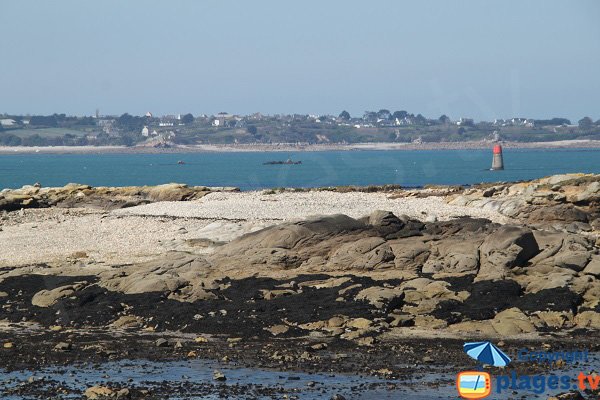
[{"x": 287, "y": 147}]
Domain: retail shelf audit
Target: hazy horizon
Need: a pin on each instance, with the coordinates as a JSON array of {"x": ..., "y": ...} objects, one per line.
[{"x": 484, "y": 60}]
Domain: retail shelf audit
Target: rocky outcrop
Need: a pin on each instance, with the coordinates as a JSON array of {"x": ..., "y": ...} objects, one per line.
[
  {"x": 107, "y": 198},
  {"x": 568, "y": 202},
  {"x": 507, "y": 247},
  {"x": 47, "y": 298},
  {"x": 357, "y": 278}
]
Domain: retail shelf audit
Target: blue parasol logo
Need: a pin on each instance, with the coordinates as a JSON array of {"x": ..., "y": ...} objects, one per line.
[{"x": 486, "y": 353}]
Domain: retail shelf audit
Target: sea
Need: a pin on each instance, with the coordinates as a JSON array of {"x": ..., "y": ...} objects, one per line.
[{"x": 248, "y": 171}]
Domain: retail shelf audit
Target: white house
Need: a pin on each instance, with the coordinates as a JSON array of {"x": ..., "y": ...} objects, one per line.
[
  {"x": 8, "y": 122},
  {"x": 145, "y": 131}
]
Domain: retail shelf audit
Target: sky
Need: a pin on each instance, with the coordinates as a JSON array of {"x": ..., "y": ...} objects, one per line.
[{"x": 479, "y": 59}]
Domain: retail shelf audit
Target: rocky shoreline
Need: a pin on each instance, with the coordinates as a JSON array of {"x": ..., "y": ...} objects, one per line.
[
  {"x": 254, "y": 147},
  {"x": 389, "y": 290}
]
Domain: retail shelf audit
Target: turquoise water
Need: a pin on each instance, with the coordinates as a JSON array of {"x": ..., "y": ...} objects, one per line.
[{"x": 331, "y": 168}]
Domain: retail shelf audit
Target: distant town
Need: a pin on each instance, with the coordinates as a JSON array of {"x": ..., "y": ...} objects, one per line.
[{"x": 383, "y": 126}]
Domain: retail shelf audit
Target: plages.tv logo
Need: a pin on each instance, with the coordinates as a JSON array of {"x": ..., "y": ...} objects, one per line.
[
  {"x": 478, "y": 384},
  {"x": 474, "y": 384}
]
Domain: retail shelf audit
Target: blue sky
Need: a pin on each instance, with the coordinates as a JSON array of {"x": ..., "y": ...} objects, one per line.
[{"x": 481, "y": 59}]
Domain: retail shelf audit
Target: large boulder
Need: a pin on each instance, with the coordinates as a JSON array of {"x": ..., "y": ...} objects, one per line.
[
  {"x": 453, "y": 257},
  {"x": 172, "y": 273},
  {"x": 47, "y": 298},
  {"x": 593, "y": 268},
  {"x": 590, "y": 194},
  {"x": 364, "y": 254},
  {"x": 288, "y": 245},
  {"x": 410, "y": 253},
  {"x": 508, "y": 247},
  {"x": 385, "y": 222},
  {"x": 512, "y": 322}
]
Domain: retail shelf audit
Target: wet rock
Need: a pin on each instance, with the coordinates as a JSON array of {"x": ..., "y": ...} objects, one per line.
[
  {"x": 98, "y": 392},
  {"x": 63, "y": 346},
  {"x": 219, "y": 376},
  {"x": 162, "y": 342},
  {"x": 572, "y": 395},
  {"x": 123, "y": 394},
  {"x": 318, "y": 346},
  {"x": 338, "y": 397}
]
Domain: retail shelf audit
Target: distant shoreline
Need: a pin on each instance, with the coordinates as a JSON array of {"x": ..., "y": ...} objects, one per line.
[{"x": 289, "y": 147}]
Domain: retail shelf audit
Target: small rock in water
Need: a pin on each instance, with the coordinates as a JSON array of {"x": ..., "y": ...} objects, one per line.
[
  {"x": 218, "y": 376},
  {"x": 338, "y": 397}
]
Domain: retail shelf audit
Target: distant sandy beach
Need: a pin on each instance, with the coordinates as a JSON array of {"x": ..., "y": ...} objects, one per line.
[{"x": 287, "y": 147}]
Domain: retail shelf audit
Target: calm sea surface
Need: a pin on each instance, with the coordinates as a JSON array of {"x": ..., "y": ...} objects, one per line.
[{"x": 331, "y": 168}]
